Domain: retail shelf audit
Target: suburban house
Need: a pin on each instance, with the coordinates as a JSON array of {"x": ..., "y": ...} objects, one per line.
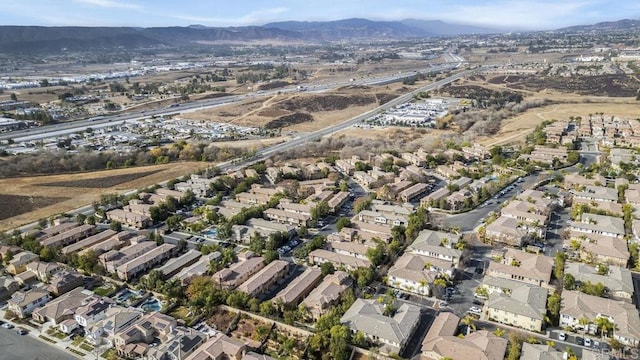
[
  {"x": 145, "y": 262},
  {"x": 596, "y": 193},
  {"x": 130, "y": 218},
  {"x": 174, "y": 265},
  {"x": 441, "y": 342},
  {"x": 116, "y": 319},
  {"x": 90, "y": 241},
  {"x": 69, "y": 237},
  {"x": 7, "y": 287},
  {"x": 528, "y": 212},
  {"x": 439, "y": 245},
  {"x": 19, "y": 262},
  {"x": 577, "y": 180},
  {"x": 220, "y": 347},
  {"x": 507, "y": 230},
  {"x": 617, "y": 279},
  {"x": 92, "y": 310},
  {"x": 43, "y": 270},
  {"x": 524, "y": 307},
  {"x": 542, "y": 351},
  {"x": 416, "y": 191},
  {"x": 114, "y": 258},
  {"x": 129, "y": 342},
  {"x": 434, "y": 198},
  {"x": 300, "y": 287},
  {"x": 367, "y": 316},
  {"x": 599, "y": 225},
  {"x": 287, "y": 217},
  {"x": 410, "y": 273},
  {"x": 236, "y": 274},
  {"x": 577, "y": 305},
  {"x": 600, "y": 248},
  {"x": 354, "y": 249},
  {"x": 337, "y": 200},
  {"x": 327, "y": 293},
  {"x": 261, "y": 282},
  {"x": 23, "y": 303},
  {"x": 63, "y": 308},
  {"x": 64, "y": 281},
  {"x": 320, "y": 256},
  {"x": 198, "y": 268},
  {"x": 524, "y": 267}
]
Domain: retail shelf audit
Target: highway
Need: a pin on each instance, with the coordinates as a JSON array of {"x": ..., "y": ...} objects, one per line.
[{"x": 108, "y": 120}]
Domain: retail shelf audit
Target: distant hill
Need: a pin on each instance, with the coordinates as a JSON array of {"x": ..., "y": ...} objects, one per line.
[
  {"x": 37, "y": 39},
  {"x": 43, "y": 40},
  {"x": 349, "y": 29},
  {"x": 363, "y": 28},
  {"x": 441, "y": 28},
  {"x": 625, "y": 24}
]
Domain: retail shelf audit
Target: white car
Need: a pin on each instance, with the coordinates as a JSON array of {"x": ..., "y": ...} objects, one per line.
[
  {"x": 475, "y": 309},
  {"x": 562, "y": 336},
  {"x": 7, "y": 326},
  {"x": 587, "y": 342}
]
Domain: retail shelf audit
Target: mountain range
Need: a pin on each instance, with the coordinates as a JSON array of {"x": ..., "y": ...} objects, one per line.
[{"x": 42, "y": 40}]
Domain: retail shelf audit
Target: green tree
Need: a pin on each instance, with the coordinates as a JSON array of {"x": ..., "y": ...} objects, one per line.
[
  {"x": 342, "y": 223},
  {"x": 339, "y": 343},
  {"x": 115, "y": 226},
  {"x": 569, "y": 282},
  {"x": 327, "y": 268},
  {"x": 553, "y": 308}
]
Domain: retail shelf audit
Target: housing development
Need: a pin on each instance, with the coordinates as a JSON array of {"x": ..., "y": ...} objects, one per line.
[{"x": 434, "y": 199}]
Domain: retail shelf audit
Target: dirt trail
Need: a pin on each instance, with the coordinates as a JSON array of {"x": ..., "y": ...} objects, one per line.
[{"x": 265, "y": 105}]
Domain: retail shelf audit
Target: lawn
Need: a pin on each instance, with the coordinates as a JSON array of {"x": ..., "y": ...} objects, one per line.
[
  {"x": 110, "y": 354},
  {"x": 86, "y": 347},
  {"x": 104, "y": 290},
  {"x": 182, "y": 312},
  {"x": 77, "y": 341}
]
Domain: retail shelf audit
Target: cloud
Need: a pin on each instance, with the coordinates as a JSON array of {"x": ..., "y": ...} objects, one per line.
[
  {"x": 523, "y": 14},
  {"x": 109, "y": 4},
  {"x": 252, "y": 18}
]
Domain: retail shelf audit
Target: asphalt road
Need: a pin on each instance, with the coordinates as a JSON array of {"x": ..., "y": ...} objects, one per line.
[{"x": 14, "y": 347}]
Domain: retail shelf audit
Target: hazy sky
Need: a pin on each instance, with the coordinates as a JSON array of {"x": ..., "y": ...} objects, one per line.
[{"x": 519, "y": 14}]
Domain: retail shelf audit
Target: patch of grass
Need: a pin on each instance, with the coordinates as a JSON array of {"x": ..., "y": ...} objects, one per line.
[
  {"x": 77, "y": 341},
  {"x": 47, "y": 339},
  {"x": 181, "y": 312},
  {"x": 80, "y": 353},
  {"x": 104, "y": 290},
  {"x": 86, "y": 347},
  {"x": 110, "y": 354}
]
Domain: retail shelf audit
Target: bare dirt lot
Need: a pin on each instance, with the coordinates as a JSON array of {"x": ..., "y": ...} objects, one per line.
[{"x": 59, "y": 193}]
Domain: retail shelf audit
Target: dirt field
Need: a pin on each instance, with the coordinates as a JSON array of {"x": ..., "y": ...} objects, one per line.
[
  {"x": 59, "y": 193},
  {"x": 516, "y": 129},
  {"x": 324, "y": 109},
  {"x": 221, "y": 319}
]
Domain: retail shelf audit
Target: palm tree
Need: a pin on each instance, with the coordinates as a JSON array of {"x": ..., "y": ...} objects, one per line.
[
  {"x": 584, "y": 322},
  {"x": 423, "y": 285},
  {"x": 605, "y": 325},
  {"x": 469, "y": 321}
]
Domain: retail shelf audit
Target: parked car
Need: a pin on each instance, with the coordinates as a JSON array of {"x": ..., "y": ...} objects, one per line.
[
  {"x": 475, "y": 309},
  {"x": 587, "y": 342},
  {"x": 7, "y": 326},
  {"x": 562, "y": 336},
  {"x": 579, "y": 341},
  {"x": 21, "y": 332}
]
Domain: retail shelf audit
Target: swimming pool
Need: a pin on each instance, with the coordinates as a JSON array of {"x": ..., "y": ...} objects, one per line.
[
  {"x": 125, "y": 295},
  {"x": 211, "y": 232},
  {"x": 151, "y": 304}
]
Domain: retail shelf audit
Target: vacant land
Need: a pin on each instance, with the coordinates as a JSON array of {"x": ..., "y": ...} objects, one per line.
[
  {"x": 13, "y": 205},
  {"x": 59, "y": 193},
  {"x": 305, "y": 111},
  {"x": 517, "y": 128}
]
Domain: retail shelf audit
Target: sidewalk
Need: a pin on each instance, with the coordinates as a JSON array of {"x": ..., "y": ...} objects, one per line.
[{"x": 37, "y": 332}]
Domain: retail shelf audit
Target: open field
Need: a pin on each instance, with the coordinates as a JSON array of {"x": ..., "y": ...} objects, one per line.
[
  {"x": 291, "y": 112},
  {"x": 517, "y": 128},
  {"x": 49, "y": 200}
]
